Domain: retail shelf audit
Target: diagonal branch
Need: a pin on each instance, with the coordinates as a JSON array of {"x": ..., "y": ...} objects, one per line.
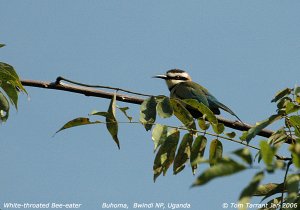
[{"x": 126, "y": 98}]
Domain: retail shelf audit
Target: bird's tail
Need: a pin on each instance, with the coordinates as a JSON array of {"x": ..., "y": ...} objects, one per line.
[{"x": 225, "y": 108}]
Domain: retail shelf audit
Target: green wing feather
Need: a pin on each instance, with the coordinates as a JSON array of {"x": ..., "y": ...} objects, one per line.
[
  {"x": 192, "y": 90},
  {"x": 212, "y": 100},
  {"x": 225, "y": 108},
  {"x": 187, "y": 90}
]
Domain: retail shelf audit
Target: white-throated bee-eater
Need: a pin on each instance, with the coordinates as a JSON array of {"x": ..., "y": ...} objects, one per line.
[{"x": 181, "y": 86}]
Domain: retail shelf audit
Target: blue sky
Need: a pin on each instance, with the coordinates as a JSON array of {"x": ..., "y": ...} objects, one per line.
[{"x": 242, "y": 51}]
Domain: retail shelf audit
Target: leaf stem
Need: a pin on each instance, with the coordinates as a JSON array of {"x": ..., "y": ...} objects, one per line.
[
  {"x": 278, "y": 157},
  {"x": 203, "y": 132},
  {"x": 284, "y": 182}
]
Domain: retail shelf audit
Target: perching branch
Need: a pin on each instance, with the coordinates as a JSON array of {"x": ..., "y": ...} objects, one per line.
[
  {"x": 58, "y": 85},
  {"x": 81, "y": 90}
]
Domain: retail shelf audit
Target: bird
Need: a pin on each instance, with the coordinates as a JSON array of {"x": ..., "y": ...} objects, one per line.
[{"x": 181, "y": 86}]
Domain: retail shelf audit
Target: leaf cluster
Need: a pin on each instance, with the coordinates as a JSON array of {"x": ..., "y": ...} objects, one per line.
[
  {"x": 172, "y": 148},
  {"x": 10, "y": 85},
  {"x": 111, "y": 122},
  {"x": 288, "y": 106}
]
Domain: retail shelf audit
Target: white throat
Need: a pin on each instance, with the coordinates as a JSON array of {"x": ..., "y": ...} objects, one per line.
[{"x": 173, "y": 82}]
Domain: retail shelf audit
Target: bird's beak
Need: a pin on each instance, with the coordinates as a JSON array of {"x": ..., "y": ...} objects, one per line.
[{"x": 161, "y": 76}]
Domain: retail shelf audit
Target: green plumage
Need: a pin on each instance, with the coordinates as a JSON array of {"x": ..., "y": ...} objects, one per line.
[{"x": 192, "y": 90}]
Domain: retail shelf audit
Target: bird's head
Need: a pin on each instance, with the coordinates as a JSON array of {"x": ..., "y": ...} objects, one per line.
[{"x": 174, "y": 76}]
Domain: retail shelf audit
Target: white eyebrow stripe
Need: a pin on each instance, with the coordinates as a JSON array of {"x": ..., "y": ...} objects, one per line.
[{"x": 183, "y": 74}]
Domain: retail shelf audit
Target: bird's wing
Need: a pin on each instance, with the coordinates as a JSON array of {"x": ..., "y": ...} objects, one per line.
[
  {"x": 203, "y": 92},
  {"x": 215, "y": 103},
  {"x": 192, "y": 90},
  {"x": 186, "y": 90}
]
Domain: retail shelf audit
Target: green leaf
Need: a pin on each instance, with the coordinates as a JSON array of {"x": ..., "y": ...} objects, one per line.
[
  {"x": 275, "y": 203},
  {"x": 11, "y": 92},
  {"x": 295, "y": 149},
  {"x": 248, "y": 192},
  {"x": 291, "y": 107},
  {"x": 218, "y": 128},
  {"x": 2, "y": 45},
  {"x": 203, "y": 109},
  {"x": 252, "y": 132},
  {"x": 279, "y": 164},
  {"x": 244, "y": 135},
  {"x": 202, "y": 124},
  {"x": 231, "y": 134},
  {"x": 8, "y": 74},
  {"x": 9, "y": 71},
  {"x": 197, "y": 151},
  {"x": 183, "y": 153},
  {"x": 281, "y": 94},
  {"x": 4, "y": 104},
  {"x": 258, "y": 156},
  {"x": 215, "y": 151},
  {"x": 4, "y": 107},
  {"x": 297, "y": 94},
  {"x": 268, "y": 190},
  {"x": 265, "y": 189},
  {"x": 10, "y": 84},
  {"x": 164, "y": 108},
  {"x": 283, "y": 102},
  {"x": 159, "y": 135},
  {"x": 166, "y": 153},
  {"x": 267, "y": 152},
  {"x": 244, "y": 154},
  {"x": 124, "y": 109},
  {"x": 111, "y": 122},
  {"x": 104, "y": 114},
  {"x": 278, "y": 137},
  {"x": 183, "y": 114},
  {"x": 224, "y": 167},
  {"x": 295, "y": 122},
  {"x": 77, "y": 122},
  {"x": 148, "y": 113},
  {"x": 292, "y": 184},
  {"x": 297, "y": 91}
]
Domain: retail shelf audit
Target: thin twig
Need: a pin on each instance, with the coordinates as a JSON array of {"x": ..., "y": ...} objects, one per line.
[
  {"x": 58, "y": 79},
  {"x": 81, "y": 90},
  {"x": 193, "y": 130},
  {"x": 278, "y": 157}
]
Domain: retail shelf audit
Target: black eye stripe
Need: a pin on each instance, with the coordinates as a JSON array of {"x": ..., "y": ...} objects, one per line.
[{"x": 177, "y": 78}]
